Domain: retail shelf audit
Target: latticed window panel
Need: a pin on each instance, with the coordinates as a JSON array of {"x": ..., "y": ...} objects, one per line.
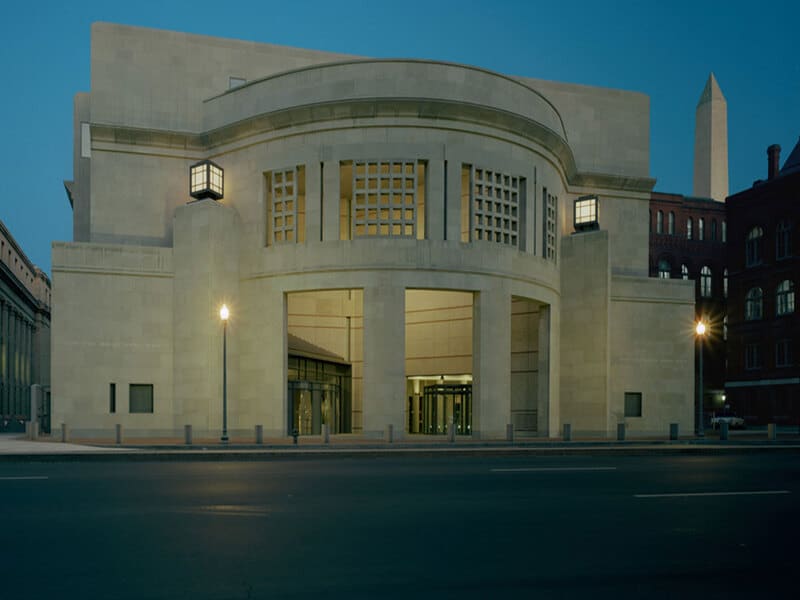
[
  {"x": 384, "y": 199},
  {"x": 285, "y": 210},
  {"x": 550, "y": 221},
  {"x": 495, "y": 207}
]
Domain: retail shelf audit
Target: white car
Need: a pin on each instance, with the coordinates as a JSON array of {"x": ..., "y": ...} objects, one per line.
[{"x": 733, "y": 421}]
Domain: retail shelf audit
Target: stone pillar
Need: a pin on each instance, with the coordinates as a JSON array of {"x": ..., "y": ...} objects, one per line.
[
  {"x": 313, "y": 201},
  {"x": 453, "y": 201},
  {"x": 543, "y": 424},
  {"x": 384, "y": 358},
  {"x": 14, "y": 363},
  {"x": 3, "y": 344},
  {"x": 435, "y": 220},
  {"x": 206, "y": 263},
  {"x": 331, "y": 190},
  {"x": 491, "y": 363}
]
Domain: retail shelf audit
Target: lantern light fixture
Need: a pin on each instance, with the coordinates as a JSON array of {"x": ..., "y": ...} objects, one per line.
[
  {"x": 585, "y": 214},
  {"x": 206, "y": 180}
]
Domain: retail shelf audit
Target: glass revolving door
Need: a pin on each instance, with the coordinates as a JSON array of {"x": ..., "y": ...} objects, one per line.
[{"x": 440, "y": 403}]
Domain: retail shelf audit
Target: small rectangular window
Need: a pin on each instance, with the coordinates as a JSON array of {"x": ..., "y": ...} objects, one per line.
[
  {"x": 234, "y": 82},
  {"x": 633, "y": 404},
  {"x": 141, "y": 398},
  {"x": 783, "y": 353},
  {"x": 112, "y": 397}
]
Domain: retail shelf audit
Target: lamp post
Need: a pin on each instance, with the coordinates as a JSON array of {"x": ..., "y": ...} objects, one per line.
[
  {"x": 700, "y": 329},
  {"x": 223, "y": 314}
]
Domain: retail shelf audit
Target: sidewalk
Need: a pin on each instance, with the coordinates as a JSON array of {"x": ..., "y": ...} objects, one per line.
[{"x": 16, "y": 447}]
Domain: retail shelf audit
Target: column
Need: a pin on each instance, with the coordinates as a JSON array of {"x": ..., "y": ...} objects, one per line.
[
  {"x": 453, "y": 200},
  {"x": 384, "y": 358},
  {"x": 14, "y": 363},
  {"x": 435, "y": 221},
  {"x": 491, "y": 362},
  {"x": 330, "y": 200},
  {"x": 313, "y": 201},
  {"x": 543, "y": 424},
  {"x": 3, "y": 346}
]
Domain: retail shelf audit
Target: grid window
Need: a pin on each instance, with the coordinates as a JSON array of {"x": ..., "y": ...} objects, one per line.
[
  {"x": 705, "y": 282},
  {"x": 286, "y": 206},
  {"x": 496, "y": 210},
  {"x": 753, "y": 304},
  {"x": 752, "y": 356},
  {"x": 550, "y": 221},
  {"x": 141, "y": 398},
  {"x": 783, "y": 353},
  {"x": 784, "y": 298},
  {"x": 385, "y": 201},
  {"x": 633, "y": 404}
]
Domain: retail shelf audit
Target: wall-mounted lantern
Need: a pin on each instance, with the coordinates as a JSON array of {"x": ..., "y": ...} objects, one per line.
[
  {"x": 206, "y": 180},
  {"x": 585, "y": 214}
]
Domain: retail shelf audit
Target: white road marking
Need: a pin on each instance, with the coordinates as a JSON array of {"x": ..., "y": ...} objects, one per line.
[
  {"x": 28, "y": 477},
  {"x": 706, "y": 494},
  {"x": 551, "y": 469}
]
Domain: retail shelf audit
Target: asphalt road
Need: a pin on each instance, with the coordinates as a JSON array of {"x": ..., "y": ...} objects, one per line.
[{"x": 403, "y": 527}]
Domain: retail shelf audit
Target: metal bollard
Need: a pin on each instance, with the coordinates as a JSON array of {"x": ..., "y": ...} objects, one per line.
[
  {"x": 118, "y": 428},
  {"x": 567, "y": 434},
  {"x": 294, "y": 435},
  {"x": 772, "y": 431},
  {"x": 723, "y": 431},
  {"x": 509, "y": 432},
  {"x": 259, "y": 434},
  {"x": 620, "y": 432},
  {"x": 673, "y": 431},
  {"x": 389, "y": 433},
  {"x": 187, "y": 435},
  {"x": 326, "y": 433},
  {"x": 63, "y": 433}
]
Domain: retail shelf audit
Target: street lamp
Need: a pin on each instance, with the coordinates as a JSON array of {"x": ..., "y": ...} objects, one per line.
[
  {"x": 700, "y": 329},
  {"x": 223, "y": 314}
]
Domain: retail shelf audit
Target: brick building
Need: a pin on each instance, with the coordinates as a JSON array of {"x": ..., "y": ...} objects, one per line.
[
  {"x": 763, "y": 376},
  {"x": 687, "y": 241}
]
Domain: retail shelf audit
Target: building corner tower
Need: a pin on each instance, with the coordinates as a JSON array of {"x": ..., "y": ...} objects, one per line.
[{"x": 711, "y": 143}]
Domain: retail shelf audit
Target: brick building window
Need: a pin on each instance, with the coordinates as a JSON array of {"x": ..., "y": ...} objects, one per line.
[
  {"x": 784, "y": 298},
  {"x": 659, "y": 222},
  {"x": 713, "y": 230},
  {"x": 753, "y": 304},
  {"x": 725, "y": 283},
  {"x": 783, "y": 353},
  {"x": 783, "y": 240},
  {"x": 752, "y": 356},
  {"x": 664, "y": 269},
  {"x": 724, "y": 232},
  {"x": 753, "y": 246},
  {"x": 689, "y": 228},
  {"x": 705, "y": 282},
  {"x": 684, "y": 272},
  {"x": 701, "y": 229},
  {"x": 671, "y": 223}
]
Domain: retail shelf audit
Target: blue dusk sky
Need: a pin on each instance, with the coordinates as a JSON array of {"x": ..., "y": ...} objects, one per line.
[{"x": 663, "y": 49}]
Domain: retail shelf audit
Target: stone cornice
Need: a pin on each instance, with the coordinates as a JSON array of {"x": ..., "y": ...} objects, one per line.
[{"x": 202, "y": 144}]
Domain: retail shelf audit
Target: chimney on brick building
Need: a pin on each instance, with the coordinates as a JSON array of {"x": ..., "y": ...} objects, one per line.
[{"x": 773, "y": 161}]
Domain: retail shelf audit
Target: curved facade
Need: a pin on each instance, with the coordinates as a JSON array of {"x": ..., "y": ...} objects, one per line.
[{"x": 407, "y": 223}]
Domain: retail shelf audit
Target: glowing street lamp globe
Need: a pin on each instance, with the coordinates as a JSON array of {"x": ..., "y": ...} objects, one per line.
[
  {"x": 701, "y": 328},
  {"x": 224, "y": 313}
]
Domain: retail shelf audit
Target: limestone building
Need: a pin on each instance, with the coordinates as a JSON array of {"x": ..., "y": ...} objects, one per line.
[
  {"x": 24, "y": 336},
  {"x": 400, "y": 242}
]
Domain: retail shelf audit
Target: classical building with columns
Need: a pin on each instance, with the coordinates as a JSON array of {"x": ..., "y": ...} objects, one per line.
[
  {"x": 411, "y": 243},
  {"x": 24, "y": 335}
]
